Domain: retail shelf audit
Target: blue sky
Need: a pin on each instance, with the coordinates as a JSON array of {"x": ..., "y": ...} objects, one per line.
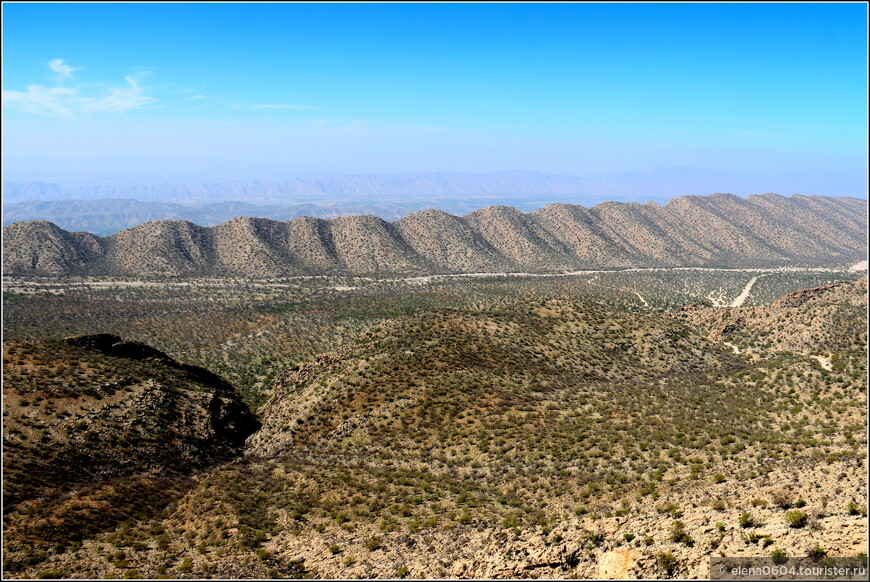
[{"x": 211, "y": 91}]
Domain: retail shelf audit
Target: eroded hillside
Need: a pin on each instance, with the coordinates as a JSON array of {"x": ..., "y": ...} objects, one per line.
[
  {"x": 715, "y": 230},
  {"x": 825, "y": 322},
  {"x": 98, "y": 432},
  {"x": 531, "y": 435}
]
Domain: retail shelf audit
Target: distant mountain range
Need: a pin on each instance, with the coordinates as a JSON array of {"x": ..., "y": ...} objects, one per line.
[
  {"x": 107, "y": 209},
  {"x": 330, "y": 188},
  {"x": 715, "y": 230},
  {"x": 105, "y": 217},
  {"x": 656, "y": 184}
]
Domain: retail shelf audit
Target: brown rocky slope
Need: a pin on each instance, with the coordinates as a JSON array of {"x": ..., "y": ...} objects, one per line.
[
  {"x": 98, "y": 430},
  {"x": 720, "y": 229},
  {"x": 545, "y": 436}
]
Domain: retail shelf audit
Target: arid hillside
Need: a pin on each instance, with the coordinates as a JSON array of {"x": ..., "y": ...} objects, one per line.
[
  {"x": 715, "y": 230},
  {"x": 524, "y": 436},
  {"x": 98, "y": 431},
  {"x": 823, "y": 322}
]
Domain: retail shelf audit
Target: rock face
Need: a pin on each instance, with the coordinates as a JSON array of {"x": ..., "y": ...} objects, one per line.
[
  {"x": 720, "y": 229},
  {"x": 110, "y": 409}
]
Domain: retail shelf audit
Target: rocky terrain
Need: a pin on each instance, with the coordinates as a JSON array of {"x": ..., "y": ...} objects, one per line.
[
  {"x": 720, "y": 229},
  {"x": 549, "y": 434},
  {"x": 98, "y": 431},
  {"x": 818, "y": 322}
]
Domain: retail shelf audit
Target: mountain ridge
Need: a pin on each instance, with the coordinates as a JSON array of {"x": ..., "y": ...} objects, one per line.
[
  {"x": 648, "y": 183},
  {"x": 106, "y": 208},
  {"x": 720, "y": 229},
  {"x": 111, "y": 215}
]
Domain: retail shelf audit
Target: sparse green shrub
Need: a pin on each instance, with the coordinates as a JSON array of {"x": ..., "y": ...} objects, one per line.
[
  {"x": 595, "y": 538},
  {"x": 666, "y": 562},
  {"x": 855, "y": 509},
  {"x": 749, "y": 537},
  {"x": 779, "y": 556},
  {"x": 746, "y": 520},
  {"x": 679, "y": 535},
  {"x": 262, "y": 554},
  {"x": 796, "y": 518}
]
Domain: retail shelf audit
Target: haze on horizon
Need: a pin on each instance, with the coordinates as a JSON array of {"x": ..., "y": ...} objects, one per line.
[{"x": 136, "y": 93}]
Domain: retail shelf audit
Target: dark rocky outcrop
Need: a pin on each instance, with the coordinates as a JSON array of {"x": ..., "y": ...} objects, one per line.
[{"x": 113, "y": 409}]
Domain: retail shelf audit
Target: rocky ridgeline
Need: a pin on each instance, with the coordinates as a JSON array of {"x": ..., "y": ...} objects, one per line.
[
  {"x": 818, "y": 322},
  {"x": 841, "y": 292},
  {"x": 720, "y": 229}
]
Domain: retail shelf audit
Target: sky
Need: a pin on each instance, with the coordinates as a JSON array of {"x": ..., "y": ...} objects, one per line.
[{"x": 97, "y": 92}]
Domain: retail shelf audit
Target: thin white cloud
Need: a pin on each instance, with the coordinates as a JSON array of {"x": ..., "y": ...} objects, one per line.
[
  {"x": 62, "y": 69},
  {"x": 39, "y": 100},
  {"x": 119, "y": 98},
  {"x": 80, "y": 100}
]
